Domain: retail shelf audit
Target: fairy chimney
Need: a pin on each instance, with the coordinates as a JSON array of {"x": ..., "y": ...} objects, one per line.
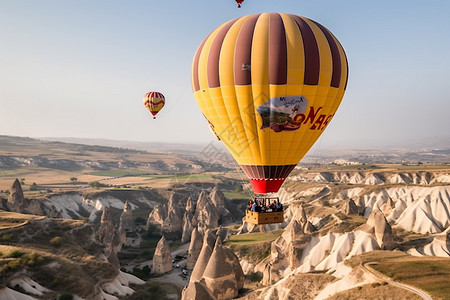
[
  {"x": 349, "y": 207},
  {"x": 378, "y": 226},
  {"x": 16, "y": 200},
  {"x": 187, "y": 228},
  {"x": 162, "y": 259},
  {"x": 157, "y": 215},
  {"x": 219, "y": 275},
  {"x": 194, "y": 248},
  {"x": 126, "y": 218},
  {"x": 174, "y": 217},
  {"x": 205, "y": 253}
]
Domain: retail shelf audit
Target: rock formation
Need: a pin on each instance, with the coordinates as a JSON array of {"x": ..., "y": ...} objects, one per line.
[
  {"x": 16, "y": 201},
  {"x": 194, "y": 248},
  {"x": 218, "y": 200},
  {"x": 284, "y": 252},
  {"x": 222, "y": 232},
  {"x": 349, "y": 207},
  {"x": 389, "y": 207},
  {"x": 109, "y": 237},
  {"x": 378, "y": 226},
  {"x": 157, "y": 215},
  {"x": 162, "y": 259},
  {"x": 206, "y": 215},
  {"x": 106, "y": 230},
  {"x": 223, "y": 275},
  {"x": 187, "y": 228},
  {"x": 300, "y": 217},
  {"x": 174, "y": 216},
  {"x": 205, "y": 253},
  {"x": 196, "y": 290},
  {"x": 126, "y": 219},
  {"x": 190, "y": 206},
  {"x": 217, "y": 274}
]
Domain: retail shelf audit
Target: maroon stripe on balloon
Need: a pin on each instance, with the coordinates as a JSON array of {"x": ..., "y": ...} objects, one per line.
[
  {"x": 256, "y": 172},
  {"x": 196, "y": 81},
  {"x": 312, "y": 59},
  {"x": 243, "y": 52},
  {"x": 277, "y": 50},
  {"x": 337, "y": 68},
  {"x": 212, "y": 64}
]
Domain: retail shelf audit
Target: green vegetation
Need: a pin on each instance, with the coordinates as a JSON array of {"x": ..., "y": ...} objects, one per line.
[
  {"x": 56, "y": 241},
  {"x": 95, "y": 184},
  {"x": 65, "y": 296},
  {"x": 237, "y": 195},
  {"x": 15, "y": 260},
  {"x": 429, "y": 274},
  {"x": 119, "y": 173},
  {"x": 33, "y": 187},
  {"x": 254, "y": 238},
  {"x": 253, "y": 246},
  {"x": 154, "y": 291}
]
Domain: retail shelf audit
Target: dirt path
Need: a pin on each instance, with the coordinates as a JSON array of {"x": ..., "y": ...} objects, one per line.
[{"x": 382, "y": 277}]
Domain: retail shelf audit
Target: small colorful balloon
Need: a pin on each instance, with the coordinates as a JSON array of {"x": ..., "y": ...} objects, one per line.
[{"x": 154, "y": 101}]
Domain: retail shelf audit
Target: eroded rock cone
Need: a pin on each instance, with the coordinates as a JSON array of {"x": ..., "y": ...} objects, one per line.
[
  {"x": 349, "y": 207},
  {"x": 390, "y": 205},
  {"x": 106, "y": 230},
  {"x": 162, "y": 259},
  {"x": 203, "y": 258},
  {"x": 196, "y": 291},
  {"x": 219, "y": 275},
  {"x": 380, "y": 228},
  {"x": 194, "y": 248},
  {"x": 16, "y": 201},
  {"x": 187, "y": 228},
  {"x": 174, "y": 216},
  {"x": 157, "y": 215},
  {"x": 190, "y": 206},
  {"x": 126, "y": 219},
  {"x": 218, "y": 200}
]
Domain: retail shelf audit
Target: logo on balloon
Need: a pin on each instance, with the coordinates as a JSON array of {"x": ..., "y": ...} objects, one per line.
[{"x": 283, "y": 113}]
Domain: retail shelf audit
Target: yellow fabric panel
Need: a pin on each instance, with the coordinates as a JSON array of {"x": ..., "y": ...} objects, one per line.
[{"x": 244, "y": 98}]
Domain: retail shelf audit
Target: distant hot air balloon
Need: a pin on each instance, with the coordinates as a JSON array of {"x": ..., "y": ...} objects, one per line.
[
  {"x": 239, "y": 2},
  {"x": 269, "y": 84},
  {"x": 154, "y": 101}
]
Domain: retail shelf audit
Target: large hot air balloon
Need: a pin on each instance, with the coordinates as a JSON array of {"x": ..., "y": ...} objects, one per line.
[
  {"x": 154, "y": 101},
  {"x": 269, "y": 84}
]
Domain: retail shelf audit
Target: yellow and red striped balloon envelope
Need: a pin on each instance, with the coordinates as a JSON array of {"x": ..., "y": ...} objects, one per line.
[
  {"x": 154, "y": 101},
  {"x": 269, "y": 84}
]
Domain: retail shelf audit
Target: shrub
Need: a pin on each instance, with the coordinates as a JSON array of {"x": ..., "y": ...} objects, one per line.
[
  {"x": 255, "y": 277},
  {"x": 66, "y": 296},
  {"x": 56, "y": 241},
  {"x": 6, "y": 237},
  {"x": 33, "y": 187},
  {"x": 15, "y": 254}
]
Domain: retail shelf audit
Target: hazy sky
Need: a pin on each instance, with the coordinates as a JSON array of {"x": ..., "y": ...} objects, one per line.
[{"x": 81, "y": 68}]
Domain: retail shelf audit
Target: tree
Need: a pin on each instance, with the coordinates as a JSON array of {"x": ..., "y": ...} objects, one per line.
[
  {"x": 73, "y": 179},
  {"x": 33, "y": 187},
  {"x": 95, "y": 184}
]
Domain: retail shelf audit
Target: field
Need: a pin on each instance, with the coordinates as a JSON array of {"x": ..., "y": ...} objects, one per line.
[
  {"x": 430, "y": 274},
  {"x": 43, "y": 166}
]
